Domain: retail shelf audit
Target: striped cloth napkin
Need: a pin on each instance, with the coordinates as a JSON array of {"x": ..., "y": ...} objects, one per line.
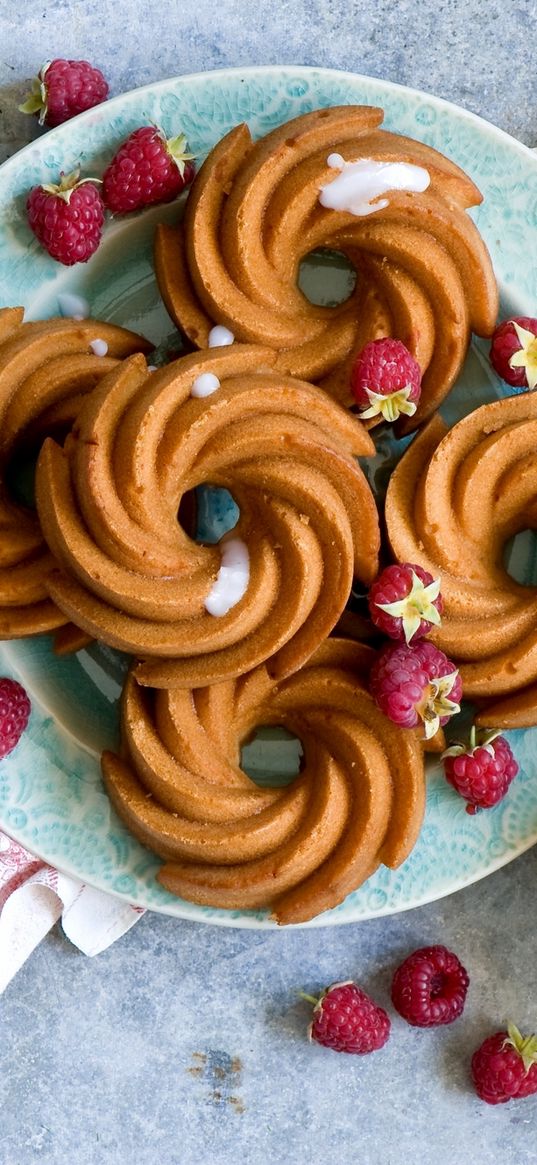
[{"x": 33, "y": 896}]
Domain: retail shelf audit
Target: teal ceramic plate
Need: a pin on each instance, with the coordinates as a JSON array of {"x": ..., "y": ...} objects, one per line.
[{"x": 51, "y": 797}]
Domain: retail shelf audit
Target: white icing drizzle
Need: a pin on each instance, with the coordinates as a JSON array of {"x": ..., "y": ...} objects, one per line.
[
  {"x": 219, "y": 336},
  {"x": 335, "y": 161},
  {"x": 359, "y": 185},
  {"x": 232, "y": 579},
  {"x": 152, "y": 368},
  {"x": 205, "y": 384},
  {"x": 74, "y": 306},
  {"x": 99, "y": 347}
]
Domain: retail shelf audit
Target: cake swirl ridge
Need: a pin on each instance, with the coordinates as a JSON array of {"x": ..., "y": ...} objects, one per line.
[
  {"x": 47, "y": 368},
  {"x": 130, "y": 575},
  {"x": 357, "y": 802},
  {"x": 254, "y": 213},
  {"x": 454, "y": 500}
]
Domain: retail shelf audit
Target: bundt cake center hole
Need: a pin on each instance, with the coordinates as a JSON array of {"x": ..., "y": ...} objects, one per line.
[
  {"x": 272, "y": 756},
  {"x": 20, "y": 477},
  {"x": 207, "y": 512},
  {"x": 326, "y": 278},
  {"x": 520, "y": 557},
  {"x": 22, "y": 460}
]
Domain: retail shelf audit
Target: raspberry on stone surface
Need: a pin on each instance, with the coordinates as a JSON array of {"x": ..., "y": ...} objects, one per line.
[
  {"x": 64, "y": 88},
  {"x": 405, "y": 602},
  {"x": 430, "y": 987},
  {"x": 345, "y": 1019},
  {"x": 504, "y": 1067}
]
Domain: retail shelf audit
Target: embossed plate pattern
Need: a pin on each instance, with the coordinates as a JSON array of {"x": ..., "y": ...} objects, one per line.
[{"x": 51, "y": 797}]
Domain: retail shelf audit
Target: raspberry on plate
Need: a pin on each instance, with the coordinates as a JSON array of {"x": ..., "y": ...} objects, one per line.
[
  {"x": 504, "y": 1067},
  {"x": 482, "y": 769},
  {"x": 405, "y": 601},
  {"x": 67, "y": 218},
  {"x": 347, "y": 1020},
  {"x": 64, "y": 88},
  {"x": 386, "y": 380},
  {"x": 416, "y": 684},
  {"x": 430, "y": 987},
  {"x": 513, "y": 352},
  {"x": 148, "y": 168},
  {"x": 15, "y": 711}
]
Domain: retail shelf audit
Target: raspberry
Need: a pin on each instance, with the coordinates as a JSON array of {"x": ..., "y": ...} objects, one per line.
[
  {"x": 67, "y": 218},
  {"x": 513, "y": 352},
  {"x": 480, "y": 770},
  {"x": 147, "y": 169},
  {"x": 347, "y": 1020},
  {"x": 15, "y": 710},
  {"x": 430, "y": 987},
  {"x": 386, "y": 380},
  {"x": 505, "y": 1066},
  {"x": 416, "y": 683},
  {"x": 63, "y": 89},
  {"x": 405, "y": 602}
]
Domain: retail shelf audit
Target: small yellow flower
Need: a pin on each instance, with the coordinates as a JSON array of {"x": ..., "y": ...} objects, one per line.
[
  {"x": 417, "y": 605},
  {"x": 526, "y": 356}
]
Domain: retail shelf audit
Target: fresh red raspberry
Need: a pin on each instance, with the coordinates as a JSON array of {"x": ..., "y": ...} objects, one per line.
[
  {"x": 67, "y": 218},
  {"x": 386, "y": 380},
  {"x": 15, "y": 710},
  {"x": 513, "y": 352},
  {"x": 430, "y": 987},
  {"x": 405, "y": 602},
  {"x": 347, "y": 1020},
  {"x": 505, "y": 1066},
  {"x": 416, "y": 684},
  {"x": 63, "y": 89},
  {"x": 481, "y": 770},
  {"x": 147, "y": 168}
]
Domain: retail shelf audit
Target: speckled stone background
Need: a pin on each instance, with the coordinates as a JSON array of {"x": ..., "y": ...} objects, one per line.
[{"x": 185, "y": 1044}]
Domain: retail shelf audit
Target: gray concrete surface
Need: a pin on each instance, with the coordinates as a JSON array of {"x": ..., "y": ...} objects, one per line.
[{"x": 186, "y": 1044}]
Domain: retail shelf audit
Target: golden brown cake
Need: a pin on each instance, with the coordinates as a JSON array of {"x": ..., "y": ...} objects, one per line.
[
  {"x": 358, "y": 801},
  {"x": 131, "y": 576},
  {"x": 254, "y": 212},
  {"x": 46, "y": 370},
  {"x": 453, "y": 501}
]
